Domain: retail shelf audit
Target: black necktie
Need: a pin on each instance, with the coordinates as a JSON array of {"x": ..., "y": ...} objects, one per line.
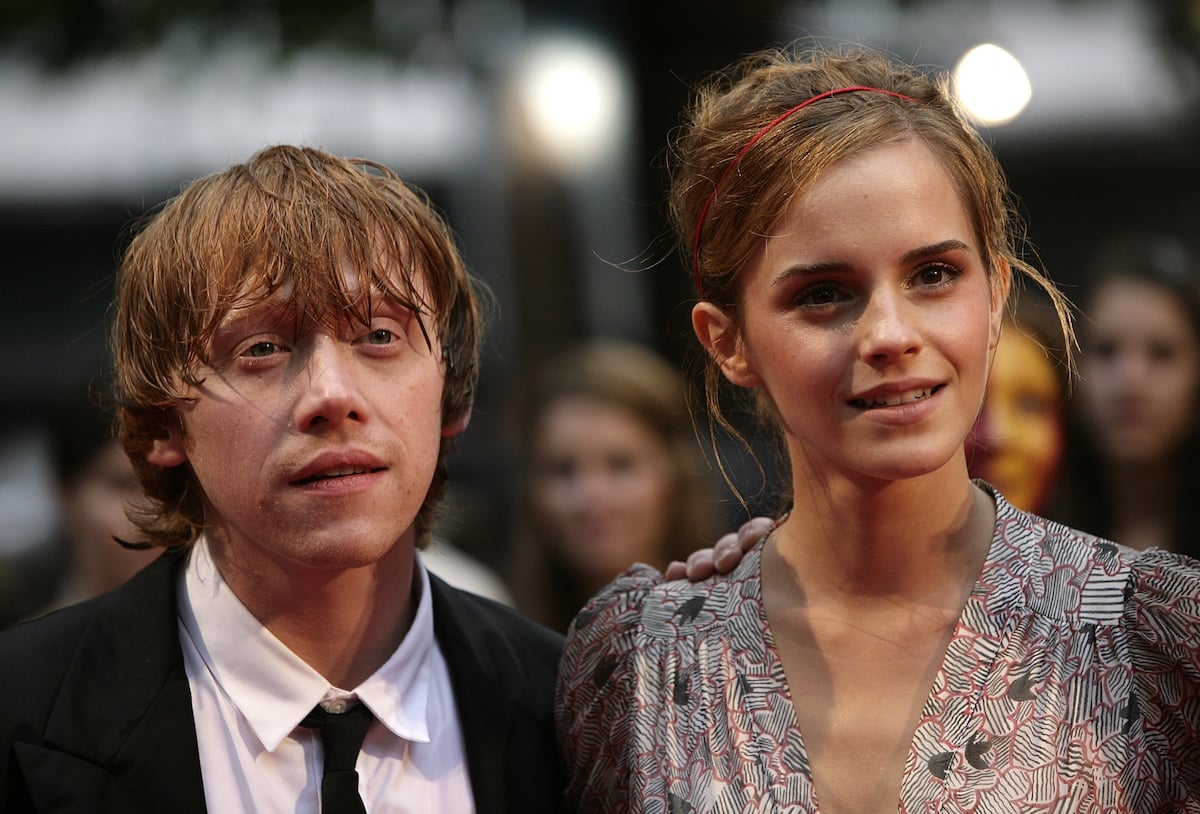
[{"x": 342, "y": 736}]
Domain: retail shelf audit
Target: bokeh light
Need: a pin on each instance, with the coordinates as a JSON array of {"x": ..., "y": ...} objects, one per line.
[
  {"x": 991, "y": 84},
  {"x": 574, "y": 98}
]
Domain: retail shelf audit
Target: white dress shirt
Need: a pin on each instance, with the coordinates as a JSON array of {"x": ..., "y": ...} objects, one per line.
[{"x": 249, "y": 694}]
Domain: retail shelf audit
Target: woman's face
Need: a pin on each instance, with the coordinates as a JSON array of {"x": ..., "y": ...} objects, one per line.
[
  {"x": 603, "y": 487},
  {"x": 1140, "y": 367},
  {"x": 867, "y": 320},
  {"x": 1017, "y": 443},
  {"x": 93, "y": 511}
]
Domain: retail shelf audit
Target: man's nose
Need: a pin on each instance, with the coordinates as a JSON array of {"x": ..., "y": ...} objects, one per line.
[{"x": 329, "y": 388}]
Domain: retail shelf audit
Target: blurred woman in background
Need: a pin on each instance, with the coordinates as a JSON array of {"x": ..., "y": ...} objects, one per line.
[
  {"x": 1134, "y": 447},
  {"x": 95, "y": 485},
  {"x": 612, "y": 475}
]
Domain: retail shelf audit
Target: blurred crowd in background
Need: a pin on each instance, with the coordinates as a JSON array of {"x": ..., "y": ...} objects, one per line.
[{"x": 540, "y": 129}]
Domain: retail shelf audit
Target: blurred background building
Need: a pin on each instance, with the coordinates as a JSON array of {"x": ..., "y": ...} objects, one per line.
[{"x": 540, "y": 127}]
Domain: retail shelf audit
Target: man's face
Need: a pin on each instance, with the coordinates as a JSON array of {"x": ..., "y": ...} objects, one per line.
[{"x": 314, "y": 446}]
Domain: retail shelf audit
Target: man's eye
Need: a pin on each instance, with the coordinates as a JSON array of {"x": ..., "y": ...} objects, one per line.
[
  {"x": 380, "y": 336},
  {"x": 261, "y": 349}
]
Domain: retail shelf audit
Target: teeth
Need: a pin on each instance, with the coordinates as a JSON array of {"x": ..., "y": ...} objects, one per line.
[
  {"x": 894, "y": 401},
  {"x": 345, "y": 470}
]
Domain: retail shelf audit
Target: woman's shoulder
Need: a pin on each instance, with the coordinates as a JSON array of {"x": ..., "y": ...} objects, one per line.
[
  {"x": 640, "y": 601},
  {"x": 1163, "y": 602},
  {"x": 1154, "y": 594}
]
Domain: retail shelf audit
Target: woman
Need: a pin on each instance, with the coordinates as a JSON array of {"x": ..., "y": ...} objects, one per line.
[
  {"x": 96, "y": 485},
  {"x": 1018, "y": 441},
  {"x": 903, "y": 639},
  {"x": 1136, "y": 445},
  {"x": 612, "y": 476}
]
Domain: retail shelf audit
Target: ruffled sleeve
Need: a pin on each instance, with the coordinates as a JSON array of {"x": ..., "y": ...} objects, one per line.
[
  {"x": 1162, "y": 616},
  {"x": 598, "y": 684}
]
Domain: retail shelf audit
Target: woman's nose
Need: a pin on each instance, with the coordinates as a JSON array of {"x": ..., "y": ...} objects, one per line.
[{"x": 887, "y": 328}]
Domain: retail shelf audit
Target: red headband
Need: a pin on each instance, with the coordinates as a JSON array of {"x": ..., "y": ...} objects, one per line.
[{"x": 733, "y": 164}]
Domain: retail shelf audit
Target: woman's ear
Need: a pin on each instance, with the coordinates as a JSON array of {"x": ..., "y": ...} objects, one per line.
[
  {"x": 721, "y": 339},
  {"x": 1001, "y": 284},
  {"x": 169, "y": 450}
]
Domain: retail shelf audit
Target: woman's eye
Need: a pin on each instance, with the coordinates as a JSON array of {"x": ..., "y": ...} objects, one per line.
[
  {"x": 1162, "y": 352},
  {"x": 818, "y": 296},
  {"x": 1033, "y": 404},
  {"x": 620, "y": 464},
  {"x": 1104, "y": 349},
  {"x": 936, "y": 275}
]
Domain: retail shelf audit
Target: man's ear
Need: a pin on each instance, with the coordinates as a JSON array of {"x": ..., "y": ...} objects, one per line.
[
  {"x": 456, "y": 425},
  {"x": 1001, "y": 284},
  {"x": 720, "y": 338},
  {"x": 169, "y": 450}
]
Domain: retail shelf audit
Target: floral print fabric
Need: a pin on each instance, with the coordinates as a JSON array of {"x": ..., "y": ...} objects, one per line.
[{"x": 1072, "y": 684}]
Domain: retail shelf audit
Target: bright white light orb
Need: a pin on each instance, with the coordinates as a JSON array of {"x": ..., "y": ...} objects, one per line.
[
  {"x": 991, "y": 84},
  {"x": 574, "y": 96}
]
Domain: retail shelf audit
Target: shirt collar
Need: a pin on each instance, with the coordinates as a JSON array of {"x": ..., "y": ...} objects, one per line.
[{"x": 272, "y": 687}]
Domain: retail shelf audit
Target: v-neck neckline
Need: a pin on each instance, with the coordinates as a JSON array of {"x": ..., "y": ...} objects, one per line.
[{"x": 982, "y": 618}]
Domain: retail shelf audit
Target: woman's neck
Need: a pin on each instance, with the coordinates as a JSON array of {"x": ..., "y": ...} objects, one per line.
[{"x": 913, "y": 538}]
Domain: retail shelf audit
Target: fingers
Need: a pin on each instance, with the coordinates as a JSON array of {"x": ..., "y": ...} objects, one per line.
[
  {"x": 675, "y": 570},
  {"x": 754, "y": 530},
  {"x": 700, "y": 564},
  {"x": 730, "y": 549},
  {"x": 724, "y": 556},
  {"x": 727, "y": 553}
]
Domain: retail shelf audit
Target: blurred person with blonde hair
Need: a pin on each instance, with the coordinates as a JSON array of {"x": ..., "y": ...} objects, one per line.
[{"x": 1019, "y": 439}]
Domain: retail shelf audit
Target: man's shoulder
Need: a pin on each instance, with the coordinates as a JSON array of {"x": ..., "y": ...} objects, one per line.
[
  {"x": 48, "y": 637},
  {"x": 35, "y": 658},
  {"x": 35, "y": 654}
]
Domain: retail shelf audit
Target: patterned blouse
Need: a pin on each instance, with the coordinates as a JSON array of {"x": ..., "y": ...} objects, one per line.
[{"x": 1072, "y": 684}]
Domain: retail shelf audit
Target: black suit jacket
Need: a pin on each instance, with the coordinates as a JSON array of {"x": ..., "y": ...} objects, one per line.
[{"x": 96, "y": 712}]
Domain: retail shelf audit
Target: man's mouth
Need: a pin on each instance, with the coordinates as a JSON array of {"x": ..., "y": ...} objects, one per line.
[
  {"x": 896, "y": 399},
  {"x": 338, "y": 472}
]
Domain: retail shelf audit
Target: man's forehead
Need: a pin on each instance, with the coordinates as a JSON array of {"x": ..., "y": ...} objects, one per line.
[
  {"x": 348, "y": 282},
  {"x": 284, "y": 303}
]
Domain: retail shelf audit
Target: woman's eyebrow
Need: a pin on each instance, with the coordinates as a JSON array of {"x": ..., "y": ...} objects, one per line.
[
  {"x": 934, "y": 249},
  {"x": 807, "y": 269},
  {"x": 837, "y": 266}
]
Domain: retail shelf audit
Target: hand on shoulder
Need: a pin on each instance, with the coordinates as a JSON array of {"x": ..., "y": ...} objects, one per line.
[{"x": 724, "y": 556}]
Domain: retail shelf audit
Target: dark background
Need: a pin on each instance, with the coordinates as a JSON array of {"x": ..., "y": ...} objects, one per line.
[{"x": 58, "y": 255}]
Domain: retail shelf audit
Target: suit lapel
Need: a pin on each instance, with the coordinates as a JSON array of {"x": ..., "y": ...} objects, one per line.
[
  {"x": 478, "y": 694},
  {"x": 123, "y": 722}
]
